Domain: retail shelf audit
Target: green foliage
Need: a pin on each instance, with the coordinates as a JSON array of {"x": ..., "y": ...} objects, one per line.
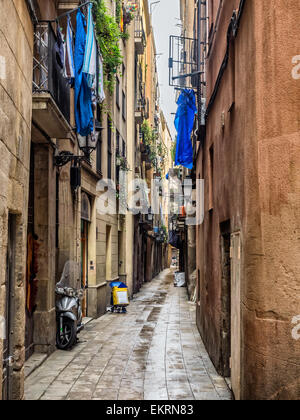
[
  {"x": 173, "y": 151},
  {"x": 118, "y": 11},
  {"x": 123, "y": 163},
  {"x": 108, "y": 35},
  {"x": 157, "y": 150}
]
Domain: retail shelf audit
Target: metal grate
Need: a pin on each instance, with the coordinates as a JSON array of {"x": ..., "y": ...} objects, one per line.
[
  {"x": 47, "y": 74},
  {"x": 139, "y": 31},
  {"x": 183, "y": 62}
]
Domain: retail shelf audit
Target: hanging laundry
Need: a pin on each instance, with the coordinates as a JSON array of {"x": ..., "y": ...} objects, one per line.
[
  {"x": 184, "y": 122},
  {"x": 90, "y": 57},
  {"x": 101, "y": 93},
  {"x": 69, "y": 68},
  {"x": 83, "y": 94},
  {"x": 60, "y": 48}
]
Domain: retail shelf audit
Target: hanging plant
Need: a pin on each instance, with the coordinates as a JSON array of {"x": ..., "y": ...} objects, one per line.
[
  {"x": 157, "y": 151},
  {"x": 108, "y": 35},
  {"x": 122, "y": 162}
]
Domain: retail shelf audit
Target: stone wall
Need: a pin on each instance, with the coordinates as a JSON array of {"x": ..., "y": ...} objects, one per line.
[
  {"x": 16, "y": 45},
  {"x": 251, "y": 167}
]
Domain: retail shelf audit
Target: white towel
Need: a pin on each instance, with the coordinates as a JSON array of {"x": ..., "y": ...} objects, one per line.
[
  {"x": 101, "y": 93},
  {"x": 69, "y": 67},
  {"x": 90, "y": 56}
]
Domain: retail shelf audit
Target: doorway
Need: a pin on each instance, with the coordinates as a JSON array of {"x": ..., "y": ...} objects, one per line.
[
  {"x": 31, "y": 265},
  {"x": 85, "y": 227},
  {"x": 236, "y": 314},
  {"x": 108, "y": 254},
  {"x": 8, "y": 346},
  {"x": 225, "y": 299},
  {"x": 84, "y": 263}
]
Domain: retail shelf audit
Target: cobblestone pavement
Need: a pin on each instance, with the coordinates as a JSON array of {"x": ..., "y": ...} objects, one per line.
[{"x": 152, "y": 353}]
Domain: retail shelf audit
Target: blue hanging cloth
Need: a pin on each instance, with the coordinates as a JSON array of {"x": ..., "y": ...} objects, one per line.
[
  {"x": 83, "y": 95},
  {"x": 184, "y": 122}
]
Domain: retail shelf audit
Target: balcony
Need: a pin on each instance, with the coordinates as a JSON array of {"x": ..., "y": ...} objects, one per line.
[
  {"x": 51, "y": 91},
  {"x": 139, "y": 35},
  {"x": 140, "y": 104},
  {"x": 139, "y": 110}
]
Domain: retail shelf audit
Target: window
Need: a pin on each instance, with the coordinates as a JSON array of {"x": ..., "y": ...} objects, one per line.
[
  {"x": 118, "y": 92},
  {"x": 109, "y": 148},
  {"x": 118, "y": 153},
  {"x": 118, "y": 143},
  {"x": 123, "y": 105},
  {"x": 99, "y": 144},
  {"x": 108, "y": 253},
  {"x": 124, "y": 149},
  {"x": 99, "y": 154}
]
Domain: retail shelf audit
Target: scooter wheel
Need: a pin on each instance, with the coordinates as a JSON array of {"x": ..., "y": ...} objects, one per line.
[{"x": 67, "y": 338}]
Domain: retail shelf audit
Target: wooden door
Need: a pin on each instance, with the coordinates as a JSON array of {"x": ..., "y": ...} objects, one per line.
[
  {"x": 236, "y": 314},
  {"x": 84, "y": 264},
  {"x": 9, "y": 310}
]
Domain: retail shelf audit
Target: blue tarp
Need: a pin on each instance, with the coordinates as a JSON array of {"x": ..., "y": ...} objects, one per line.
[
  {"x": 118, "y": 284},
  {"x": 83, "y": 94},
  {"x": 184, "y": 122}
]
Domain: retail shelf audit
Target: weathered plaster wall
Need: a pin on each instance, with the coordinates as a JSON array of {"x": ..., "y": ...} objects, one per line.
[
  {"x": 255, "y": 185},
  {"x": 16, "y": 38},
  {"x": 272, "y": 290}
]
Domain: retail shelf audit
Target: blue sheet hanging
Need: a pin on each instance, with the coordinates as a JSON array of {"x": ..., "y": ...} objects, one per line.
[
  {"x": 83, "y": 94},
  {"x": 184, "y": 122}
]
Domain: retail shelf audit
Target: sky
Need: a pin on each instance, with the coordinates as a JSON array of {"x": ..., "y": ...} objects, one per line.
[{"x": 165, "y": 17}]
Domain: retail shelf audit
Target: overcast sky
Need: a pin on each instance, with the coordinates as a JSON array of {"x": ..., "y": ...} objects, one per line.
[{"x": 165, "y": 17}]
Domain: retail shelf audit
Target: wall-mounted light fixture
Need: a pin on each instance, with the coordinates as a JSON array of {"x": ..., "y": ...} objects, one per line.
[{"x": 87, "y": 144}]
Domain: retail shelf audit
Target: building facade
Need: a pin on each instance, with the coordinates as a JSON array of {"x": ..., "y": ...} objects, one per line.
[
  {"x": 16, "y": 46},
  {"x": 50, "y": 205},
  {"x": 248, "y": 156}
]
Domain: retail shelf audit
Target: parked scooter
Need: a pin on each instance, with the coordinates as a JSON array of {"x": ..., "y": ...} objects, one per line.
[{"x": 68, "y": 307}]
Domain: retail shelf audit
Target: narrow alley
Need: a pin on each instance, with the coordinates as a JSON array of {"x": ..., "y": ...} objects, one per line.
[
  {"x": 152, "y": 353},
  {"x": 149, "y": 201}
]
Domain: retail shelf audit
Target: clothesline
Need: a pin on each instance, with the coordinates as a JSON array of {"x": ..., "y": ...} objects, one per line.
[
  {"x": 84, "y": 71},
  {"x": 68, "y": 13}
]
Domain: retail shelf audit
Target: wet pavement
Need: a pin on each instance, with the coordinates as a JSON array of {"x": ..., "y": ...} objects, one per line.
[{"x": 153, "y": 353}]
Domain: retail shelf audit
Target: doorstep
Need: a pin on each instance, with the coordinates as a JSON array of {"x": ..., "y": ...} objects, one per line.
[
  {"x": 34, "y": 362},
  {"x": 86, "y": 320}
]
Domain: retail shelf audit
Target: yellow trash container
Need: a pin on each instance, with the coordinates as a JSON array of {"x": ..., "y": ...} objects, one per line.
[{"x": 120, "y": 297}]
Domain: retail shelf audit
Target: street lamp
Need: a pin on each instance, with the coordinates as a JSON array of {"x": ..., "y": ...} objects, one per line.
[{"x": 87, "y": 144}]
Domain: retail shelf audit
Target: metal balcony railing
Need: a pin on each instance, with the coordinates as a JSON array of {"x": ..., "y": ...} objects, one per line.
[
  {"x": 139, "y": 31},
  {"x": 47, "y": 74},
  {"x": 140, "y": 102}
]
